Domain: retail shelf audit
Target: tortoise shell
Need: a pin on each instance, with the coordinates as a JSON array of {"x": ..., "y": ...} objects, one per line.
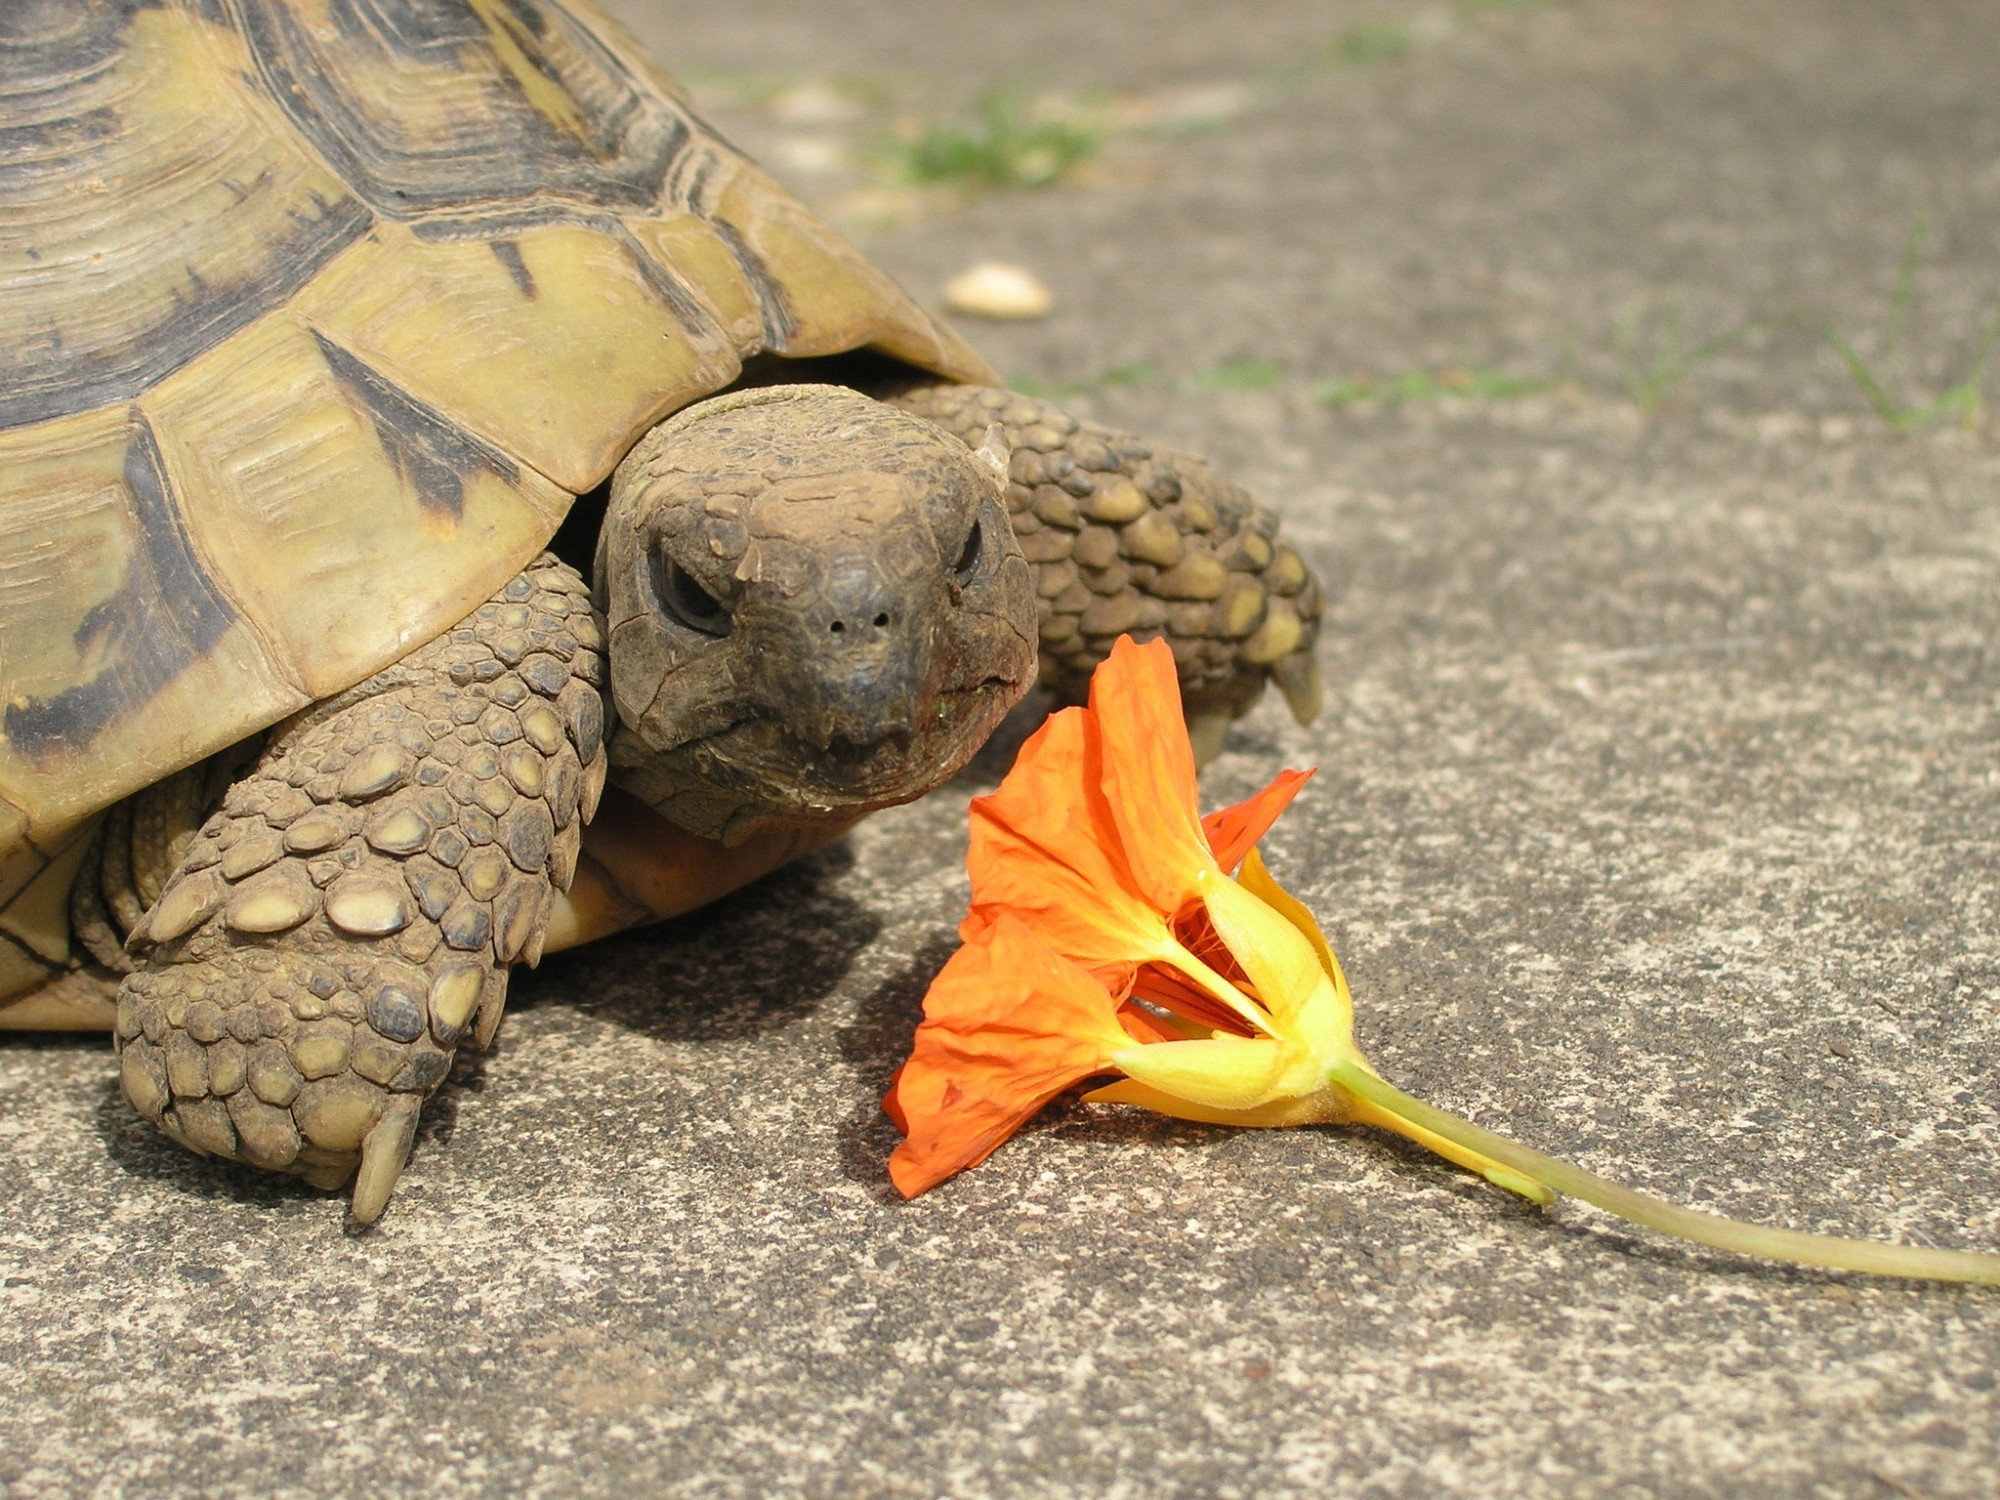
[{"x": 314, "y": 317}]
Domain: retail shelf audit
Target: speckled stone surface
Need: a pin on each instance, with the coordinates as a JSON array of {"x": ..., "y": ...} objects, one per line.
[{"x": 1656, "y": 822}]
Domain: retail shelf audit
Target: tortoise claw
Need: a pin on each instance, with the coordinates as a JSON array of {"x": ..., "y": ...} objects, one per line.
[
  {"x": 1297, "y": 677},
  {"x": 1206, "y": 732},
  {"x": 383, "y": 1152}
]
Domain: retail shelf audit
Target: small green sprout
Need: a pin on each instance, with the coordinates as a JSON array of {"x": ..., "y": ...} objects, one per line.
[
  {"x": 1653, "y": 374},
  {"x": 1136, "y": 372},
  {"x": 1373, "y": 42},
  {"x": 1959, "y": 402},
  {"x": 1006, "y": 145}
]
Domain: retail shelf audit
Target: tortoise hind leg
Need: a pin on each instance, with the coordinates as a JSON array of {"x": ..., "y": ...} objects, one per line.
[
  {"x": 347, "y": 918},
  {"x": 1129, "y": 539}
]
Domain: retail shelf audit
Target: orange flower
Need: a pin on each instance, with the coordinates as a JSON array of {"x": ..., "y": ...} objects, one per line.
[
  {"x": 1016, "y": 1017},
  {"x": 1107, "y": 939}
]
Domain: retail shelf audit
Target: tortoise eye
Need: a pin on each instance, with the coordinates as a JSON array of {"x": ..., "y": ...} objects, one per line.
[
  {"x": 686, "y": 600},
  {"x": 968, "y": 558}
]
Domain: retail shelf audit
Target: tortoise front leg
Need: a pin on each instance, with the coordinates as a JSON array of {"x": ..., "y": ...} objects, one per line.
[
  {"x": 1130, "y": 539},
  {"x": 347, "y": 918}
]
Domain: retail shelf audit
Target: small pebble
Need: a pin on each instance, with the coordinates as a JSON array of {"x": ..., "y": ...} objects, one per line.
[
  {"x": 814, "y": 103},
  {"x": 996, "y": 289}
]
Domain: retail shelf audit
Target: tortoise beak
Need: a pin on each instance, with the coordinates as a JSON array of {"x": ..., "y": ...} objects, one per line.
[{"x": 867, "y": 670}]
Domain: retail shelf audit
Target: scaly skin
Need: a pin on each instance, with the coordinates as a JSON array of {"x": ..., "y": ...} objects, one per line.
[
  {"x": 1127, "y": 538},
  {"x": 347, "y": 919}
]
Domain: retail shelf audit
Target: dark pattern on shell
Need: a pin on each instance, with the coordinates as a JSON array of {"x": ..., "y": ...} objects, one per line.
[
  {"x": 599, "y": 138},
  {"x": 433, "y": 456},
  {"x": 772, "y": 305},
  {"x": 166, "y": 615},
  {"x": 508, "y": 253}
]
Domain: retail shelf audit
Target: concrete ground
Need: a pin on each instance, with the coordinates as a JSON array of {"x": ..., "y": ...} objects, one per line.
[{"x": 1655, "y": 821}]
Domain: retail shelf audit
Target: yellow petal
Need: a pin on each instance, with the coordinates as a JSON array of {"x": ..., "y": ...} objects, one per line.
[
  {"x": 1327, "y": 1107},
  {"x": 1223, "y": 1072},
  {"x": 1278, "y": 959},
  {"x": 1257, "y": 880}
]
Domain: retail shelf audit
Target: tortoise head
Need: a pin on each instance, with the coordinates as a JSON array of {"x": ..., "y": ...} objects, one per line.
[{"x": 816, "y": 605}]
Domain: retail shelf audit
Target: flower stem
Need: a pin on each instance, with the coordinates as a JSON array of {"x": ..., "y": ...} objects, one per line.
[{"x": 1866, "y": 1256}]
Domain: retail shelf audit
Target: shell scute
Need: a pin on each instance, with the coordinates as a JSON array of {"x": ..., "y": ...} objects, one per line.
[
  {"x": 455, "y": 106},
  {"x": 560, "y": 353},
  {"x": 271, "y": 440}
]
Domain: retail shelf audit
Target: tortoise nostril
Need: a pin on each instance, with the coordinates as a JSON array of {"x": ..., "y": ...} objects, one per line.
[{"x": 880, "y": 622}]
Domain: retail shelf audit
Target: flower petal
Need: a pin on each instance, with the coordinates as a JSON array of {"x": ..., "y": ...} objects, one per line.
[
  {"x": 1045, "y": 848},
  {"x": 1147, "y": 1026},
  {"x": 1258, "y": 882},
  {"x": 1280, "y": 963},
  {"x": 1232, "y": 831},
  {"x": 1323, "y": 1108},
  {"x": 1147, "y": 770},
  {"x": 1007, "y": 1026},
  {"x": 1166, "y": 987},
  {"x": 1220, "y": 1072}
]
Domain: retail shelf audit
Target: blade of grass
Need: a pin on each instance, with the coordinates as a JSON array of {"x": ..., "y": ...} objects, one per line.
[
  {"x": 1651, "y": 381},
  {"x": 1887, "y": 407},
  {"x": 1906, "y": 281},
  {"x": 1424, "y": 385},
  {"x": 1133, "y": 373}
]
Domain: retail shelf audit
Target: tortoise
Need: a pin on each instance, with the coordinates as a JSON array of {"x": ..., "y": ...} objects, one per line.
[{"x": 421, "y": 437}]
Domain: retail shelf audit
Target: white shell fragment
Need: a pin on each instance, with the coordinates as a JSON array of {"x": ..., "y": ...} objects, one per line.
[{"x": 997, "y": 289}]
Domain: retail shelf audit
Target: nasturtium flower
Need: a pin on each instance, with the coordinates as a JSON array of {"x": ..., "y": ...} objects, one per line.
[
  {"x": 1115, "y": 934},
  {"x": 1107, "y": 937}
]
